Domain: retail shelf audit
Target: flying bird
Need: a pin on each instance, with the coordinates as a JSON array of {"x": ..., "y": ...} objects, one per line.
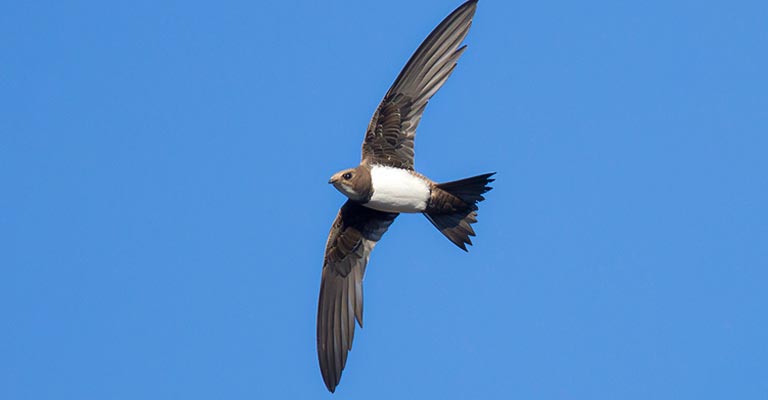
[{"x": 385, "y": 184}]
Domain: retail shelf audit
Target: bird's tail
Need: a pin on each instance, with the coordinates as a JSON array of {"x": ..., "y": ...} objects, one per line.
[{"x": 453, "y": 207}]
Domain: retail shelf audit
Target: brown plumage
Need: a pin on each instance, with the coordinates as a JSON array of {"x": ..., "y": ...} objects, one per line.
[
  {"x": 452, "y": 207},
  {"x": 386, "y": 180},
  {"x": 356, "y": 182},
  {"x": 390, "y": 134},
  {"x": 353, "y": 235}
]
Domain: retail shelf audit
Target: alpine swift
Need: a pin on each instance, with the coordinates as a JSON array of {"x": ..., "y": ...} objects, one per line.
[{"x": 385, "y": 184}]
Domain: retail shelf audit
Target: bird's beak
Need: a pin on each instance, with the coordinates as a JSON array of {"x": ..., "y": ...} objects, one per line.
[{"x": 331, "y": 180}]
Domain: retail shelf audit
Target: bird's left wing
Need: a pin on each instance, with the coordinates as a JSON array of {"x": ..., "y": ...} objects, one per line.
[
  {"x": 392, "y": 130},
  {"x": 353, "y": 235}
]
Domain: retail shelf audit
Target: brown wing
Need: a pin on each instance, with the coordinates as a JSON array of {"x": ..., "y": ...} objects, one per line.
[
  {"x": 390, "y": 134},
  {"x": 353, "y": 235}
]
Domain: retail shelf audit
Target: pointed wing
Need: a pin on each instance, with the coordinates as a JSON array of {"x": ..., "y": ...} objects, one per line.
[
  {"x": 390, "y": 134},
  {"x": 353, "y": 235}
]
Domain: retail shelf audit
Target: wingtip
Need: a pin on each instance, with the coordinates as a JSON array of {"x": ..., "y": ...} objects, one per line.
[
  {"x": 329, "y": 384},
  {"x": 468, "y": 6}
]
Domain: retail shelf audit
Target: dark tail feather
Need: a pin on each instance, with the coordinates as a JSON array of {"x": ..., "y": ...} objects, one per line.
[
  {"x": 454, "y": 213},
  {"x": 469, "y": 190}
]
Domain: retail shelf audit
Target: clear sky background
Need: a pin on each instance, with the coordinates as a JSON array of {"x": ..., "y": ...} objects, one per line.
[{"x": 164, "y": 205}]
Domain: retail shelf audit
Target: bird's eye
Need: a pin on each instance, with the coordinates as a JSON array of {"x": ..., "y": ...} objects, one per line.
[{"x": 347, "y": 176}]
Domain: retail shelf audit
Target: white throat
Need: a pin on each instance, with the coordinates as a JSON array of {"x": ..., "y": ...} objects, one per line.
[{"x": 397, "y": 190}]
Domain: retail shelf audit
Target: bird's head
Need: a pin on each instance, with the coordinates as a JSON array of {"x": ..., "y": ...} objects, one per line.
[{"x": 354, "y": 183}]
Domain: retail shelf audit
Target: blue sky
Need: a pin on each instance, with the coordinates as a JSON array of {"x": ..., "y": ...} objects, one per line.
[{"x": 165, "y": 206}]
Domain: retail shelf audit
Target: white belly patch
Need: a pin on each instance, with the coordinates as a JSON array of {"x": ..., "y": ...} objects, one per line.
[{"x": 397, "y": 190}]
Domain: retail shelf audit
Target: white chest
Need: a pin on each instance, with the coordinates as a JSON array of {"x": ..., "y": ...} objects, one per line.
[{"x": 397, "y": 190}]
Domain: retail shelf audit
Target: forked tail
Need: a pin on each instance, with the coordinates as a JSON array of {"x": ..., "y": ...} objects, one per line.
[{"x": 452, "y": 207}]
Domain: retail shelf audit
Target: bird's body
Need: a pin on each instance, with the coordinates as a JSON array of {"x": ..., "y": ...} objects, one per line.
[
  {"x": 398, "y": 190},
  {"x": 387, "y": 189},
  {"x": 386, "y": 184}
]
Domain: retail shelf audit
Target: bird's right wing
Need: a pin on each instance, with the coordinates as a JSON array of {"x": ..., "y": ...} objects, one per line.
[{"x": 353, "y": 235}]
